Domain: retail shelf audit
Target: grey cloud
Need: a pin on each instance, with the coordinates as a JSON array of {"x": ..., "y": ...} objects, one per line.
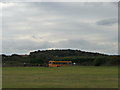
[
  {"x": 72, "y": 43},
  {"x": 87, "y": 45},
  {"x": 20, "y": 46},
  {"x": 70, "y": 25},
  {"x": 76, "y": 9},
  {"x": 36, "y": 37},
  {"x": 109, "y": 21}
]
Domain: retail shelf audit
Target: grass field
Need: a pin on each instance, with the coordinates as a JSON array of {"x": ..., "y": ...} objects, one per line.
[{"x": 60, "y": 77}]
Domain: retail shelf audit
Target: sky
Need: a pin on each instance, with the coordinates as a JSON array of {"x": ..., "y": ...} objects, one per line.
[{"x": 86, "y": 26}]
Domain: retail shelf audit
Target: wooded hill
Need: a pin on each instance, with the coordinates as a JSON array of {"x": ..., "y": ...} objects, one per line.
[{"x": 41, "y": 58}]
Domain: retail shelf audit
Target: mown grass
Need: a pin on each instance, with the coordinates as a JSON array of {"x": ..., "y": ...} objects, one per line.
[{"x": 60, "y": 77}]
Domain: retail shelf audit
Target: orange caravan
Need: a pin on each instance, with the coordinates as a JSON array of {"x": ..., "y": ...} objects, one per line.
[{"x": 59, "y": 63}]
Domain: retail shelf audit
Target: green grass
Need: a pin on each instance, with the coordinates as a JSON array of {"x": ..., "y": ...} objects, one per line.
[{"x": 60, "y": 77}]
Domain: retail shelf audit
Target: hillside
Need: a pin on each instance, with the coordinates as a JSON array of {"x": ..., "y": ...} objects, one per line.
[{"x": 41, "y": 58}]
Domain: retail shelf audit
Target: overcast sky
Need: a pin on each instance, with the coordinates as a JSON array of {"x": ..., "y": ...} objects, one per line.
[{"x": 62, "y": 25}]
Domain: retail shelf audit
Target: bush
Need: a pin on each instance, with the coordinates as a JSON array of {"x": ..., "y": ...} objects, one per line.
[{"x": 99, "y": 61}]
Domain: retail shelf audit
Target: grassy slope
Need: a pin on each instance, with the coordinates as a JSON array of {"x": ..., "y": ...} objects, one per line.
[{"x": 60, "y": 77}]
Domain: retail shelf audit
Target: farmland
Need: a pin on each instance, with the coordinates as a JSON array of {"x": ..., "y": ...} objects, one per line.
[{"x": 60, "y": 77}]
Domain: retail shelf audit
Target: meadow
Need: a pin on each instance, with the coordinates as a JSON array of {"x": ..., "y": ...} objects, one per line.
[{"x": 60, "y": 77}]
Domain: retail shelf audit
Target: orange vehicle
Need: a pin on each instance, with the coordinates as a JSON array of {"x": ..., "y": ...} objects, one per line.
[{"x": 59, "y": 63}]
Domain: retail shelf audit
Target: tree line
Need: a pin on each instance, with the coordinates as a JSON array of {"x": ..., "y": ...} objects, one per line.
[{"x": 41, "y": 58}]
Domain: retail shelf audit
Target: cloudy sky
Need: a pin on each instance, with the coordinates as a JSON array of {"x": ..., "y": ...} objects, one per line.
[{"x": 88, "y": 26}]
